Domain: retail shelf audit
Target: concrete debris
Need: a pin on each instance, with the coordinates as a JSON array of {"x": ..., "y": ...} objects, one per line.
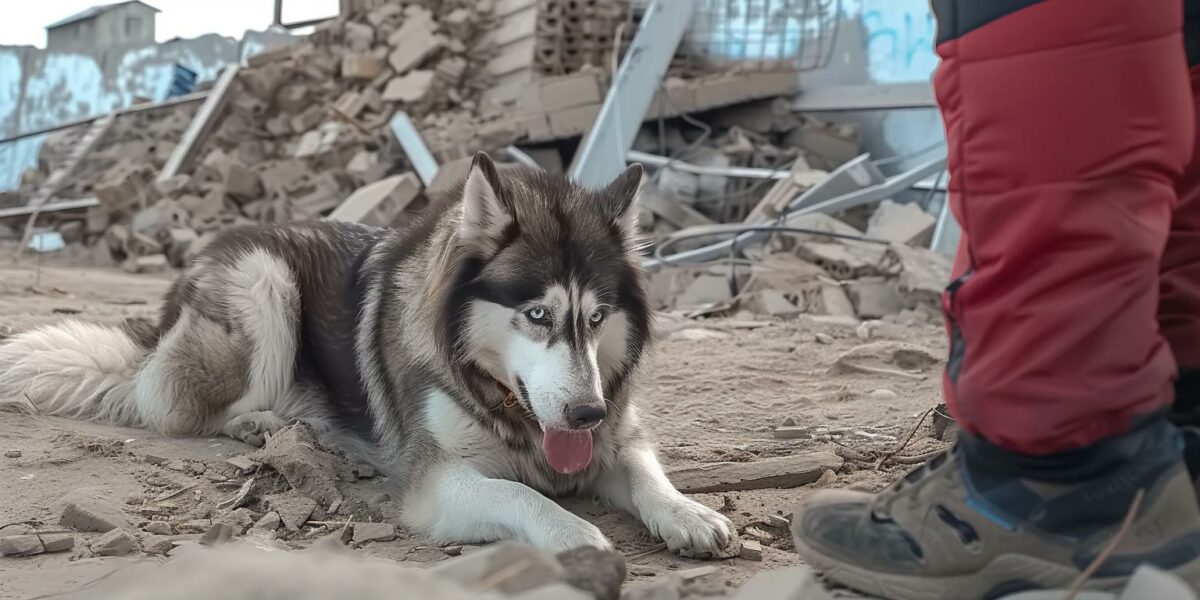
[
  {"x": 12, "y": 454},
  {"x": 292, "y": 510},
  {"x": 270, "y": 522},
  {"x": 599, "y": 572},
  {"x": 85, "y": 512},
  {"x": 238, "y": 570},
  {"x": 158, "y": 528},
  {"x": 791, "y": 583},
  {"x": 752, "y": 550},
  {"x": 410, "y": 88},
  {"x": 117, "y": 542},
  {"x": 526, "y": 568},
  {"x": 308, "y": 467},
  {"x": 57, "y": 542},
  {"x": 373, "y": 532},
  {"x": 379, "y": 203},
  {"x": 902, "y": 224},
  {"x": 779, "y": 472},
  {"x": 21, "y": 545}
]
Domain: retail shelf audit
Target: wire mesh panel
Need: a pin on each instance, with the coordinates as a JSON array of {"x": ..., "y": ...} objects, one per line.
[
  {"x": 764, "y": 35},
  {"x": 796, "y": 35}
]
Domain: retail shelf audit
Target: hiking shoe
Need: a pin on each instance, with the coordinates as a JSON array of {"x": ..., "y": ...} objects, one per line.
[{"x": 942, "y": 532}]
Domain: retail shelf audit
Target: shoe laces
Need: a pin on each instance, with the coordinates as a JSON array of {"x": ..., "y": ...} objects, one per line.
[{"x": 911, "y": 481}]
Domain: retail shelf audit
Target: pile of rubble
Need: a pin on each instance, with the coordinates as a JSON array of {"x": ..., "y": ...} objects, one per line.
[{"x": 310, "y": 130}]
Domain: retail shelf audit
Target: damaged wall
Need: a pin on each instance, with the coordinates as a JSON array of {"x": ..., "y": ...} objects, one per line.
[
  {"x": 40, "y": 88},
  {"x": 884, "y": 42}
]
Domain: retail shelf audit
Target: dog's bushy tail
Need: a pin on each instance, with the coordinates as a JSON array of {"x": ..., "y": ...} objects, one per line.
[{"x": 72, "y": 369}]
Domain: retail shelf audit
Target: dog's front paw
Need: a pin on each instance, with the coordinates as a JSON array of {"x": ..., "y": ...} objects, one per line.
[
  {"x": 689, "y": 528},
  {"x": 254, "y": 427},
  {"x": 557, "y": 537}
]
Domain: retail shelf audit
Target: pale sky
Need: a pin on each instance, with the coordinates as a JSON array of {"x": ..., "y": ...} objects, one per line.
[{"x": 24, "y": 23}]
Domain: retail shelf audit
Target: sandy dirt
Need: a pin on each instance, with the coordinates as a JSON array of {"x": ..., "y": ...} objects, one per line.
[{"x": 714, "y": 392}]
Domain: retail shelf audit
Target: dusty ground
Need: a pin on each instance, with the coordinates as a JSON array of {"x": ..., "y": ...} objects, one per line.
[{"x": 715, "y": 391}]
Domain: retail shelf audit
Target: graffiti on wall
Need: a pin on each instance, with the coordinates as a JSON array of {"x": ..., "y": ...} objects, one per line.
[{"x": 899, "y": 39}]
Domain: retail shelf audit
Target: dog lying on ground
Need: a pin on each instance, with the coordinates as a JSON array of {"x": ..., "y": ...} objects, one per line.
[{"x": 483, "y": 358}]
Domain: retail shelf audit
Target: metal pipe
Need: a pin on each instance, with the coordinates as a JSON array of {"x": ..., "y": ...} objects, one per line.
[
  {"x": 745, "y": 172},
  {"x": 194, "y": 97}
]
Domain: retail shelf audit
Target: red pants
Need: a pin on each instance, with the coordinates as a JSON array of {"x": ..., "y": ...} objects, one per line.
[{"x": 1071, "y": 127}]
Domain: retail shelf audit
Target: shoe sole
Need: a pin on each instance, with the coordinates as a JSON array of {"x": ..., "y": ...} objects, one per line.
[{"x": 979, "y": 585}]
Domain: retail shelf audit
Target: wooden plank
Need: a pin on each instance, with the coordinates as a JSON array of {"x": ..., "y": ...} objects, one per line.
[
  {"x": 782, "y": 472},
  {"x": 202, "y": 124}
]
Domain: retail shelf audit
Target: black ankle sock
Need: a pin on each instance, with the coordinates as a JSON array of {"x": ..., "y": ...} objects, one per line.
[
  {"x": 1186, "y": 410},
  {"x": 989, "y": 462}
]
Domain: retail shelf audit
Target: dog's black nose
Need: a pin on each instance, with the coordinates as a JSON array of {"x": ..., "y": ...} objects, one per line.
[{"x": 586, "y": 415}]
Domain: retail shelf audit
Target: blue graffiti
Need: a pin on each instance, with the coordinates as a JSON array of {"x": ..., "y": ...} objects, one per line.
[{"x": 900, "y": 46}]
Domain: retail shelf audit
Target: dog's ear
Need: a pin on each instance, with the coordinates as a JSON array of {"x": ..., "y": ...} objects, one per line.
[
  {"x": 621, "y": 198},
  {"x": 486, "y": 206}
]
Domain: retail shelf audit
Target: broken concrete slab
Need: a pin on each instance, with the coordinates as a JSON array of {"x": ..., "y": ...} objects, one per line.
[
  {"x": 21, "y": 545},
  {"x": 902, "y": 224},
  {"x": 158, "y": 528},
  {"x": 412, "y": 87},
  {"x": 874, "y": 297},
  {"x": 116, "y": 542},
  {"x": 599, "y": 572},
  {"x": 310, "y": 469},
  {"x": 780, "y": 472},
  {"x": 363, "y": 67},
  {"x": 791, "y": 583},
  {"x": 379, "y": 203},
  {"x": 527, "y": 568},
  {"x": 413, "y": 42},
  {"x": 293, "y": 98},
  {"x": 373, "y": 532},
  {"x": 57, "y": 542},
  {"x": 84, "y": 511},
  {"x": 292, "y": 509},
  {"x": 772, "y": 303},
  {"x": 270, "y": 521}
]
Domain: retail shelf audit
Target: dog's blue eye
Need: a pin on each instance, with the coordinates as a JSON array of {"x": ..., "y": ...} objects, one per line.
[
  {"x": 597, "y": 318},
  {"x": 537, "y": 314}
]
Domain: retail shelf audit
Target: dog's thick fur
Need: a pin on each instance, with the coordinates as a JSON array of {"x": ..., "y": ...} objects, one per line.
[{"x": 440, "y": 352}]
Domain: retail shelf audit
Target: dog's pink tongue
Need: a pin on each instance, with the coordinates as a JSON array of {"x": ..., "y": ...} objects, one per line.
[{"x": 568, "y": 452}]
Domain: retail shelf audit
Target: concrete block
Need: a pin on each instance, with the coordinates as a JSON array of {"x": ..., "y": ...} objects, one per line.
[
  {"x": 114, "y": 543},
  {"x": 570, "y": 91},
  {"x": 381, "y": 202},
  {"x": 874, "y": 297},
  {"x": 83, "y": 512},
  {"x": 412, "y": 87},
  {"x": 573, "y": 121},
  {"x": 21, "y": 545},
  {"x": 363, "y": 67},
  {"x": 540, "y": 568},
  {"x": 293, "y": 98},
  {"x": 125, "y": 186},
  {"x": 57, "y": 542},
  {"x": 307, "y": 120},
  {"x": 901, "y": 223},
  {"x": 770, "y": 302},
  {"x": 413, "y": 42},
  {"x": 359, "y": 37},
  {"x": 374, "y": 532}
]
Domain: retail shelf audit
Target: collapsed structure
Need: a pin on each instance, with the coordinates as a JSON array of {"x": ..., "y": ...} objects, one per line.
[{"x": 309, "y": 131}]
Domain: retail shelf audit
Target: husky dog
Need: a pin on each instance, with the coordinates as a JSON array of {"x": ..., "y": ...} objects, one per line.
[{"x": 483, "y": 358}]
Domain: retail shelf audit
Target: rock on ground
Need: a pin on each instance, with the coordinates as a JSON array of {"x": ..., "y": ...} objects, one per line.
[
  {"x": 594, "y": 570},
  {"x": 114, "y": 543},
  {"x": 85, "y": 512}
]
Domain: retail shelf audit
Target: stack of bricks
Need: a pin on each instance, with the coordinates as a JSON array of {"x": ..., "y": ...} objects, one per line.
[{"x": 572, "y": 34}]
